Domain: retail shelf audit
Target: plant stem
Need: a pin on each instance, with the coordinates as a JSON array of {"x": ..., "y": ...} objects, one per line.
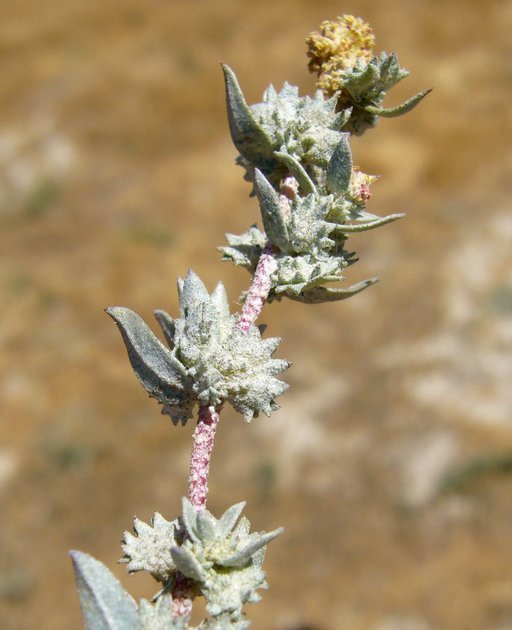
[
  {"x": 258, "y": 291},
  {"x": 181, "y": 596},
  {"x": 202, "y": 446},
  {"x": 209, "y": 416},
  {"x": 208, "y": 419},
  {"x": 204, "y": 435}
]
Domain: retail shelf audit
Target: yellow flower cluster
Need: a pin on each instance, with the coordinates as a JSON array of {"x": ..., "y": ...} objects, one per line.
[{"x": 337, "y": 48}]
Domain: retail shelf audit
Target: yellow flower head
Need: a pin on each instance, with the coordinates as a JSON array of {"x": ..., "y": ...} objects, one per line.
[{"x": 337, "y": 48}]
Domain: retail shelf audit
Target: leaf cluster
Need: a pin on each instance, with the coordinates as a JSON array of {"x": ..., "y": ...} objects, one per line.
[
  {"x": 209, "y": 361},
  {"x": 288, "y": 138},
  {"x": 221, "y": 559},
  {"x": 341, "y": 55},
  {"x": 364, "y": 87}
]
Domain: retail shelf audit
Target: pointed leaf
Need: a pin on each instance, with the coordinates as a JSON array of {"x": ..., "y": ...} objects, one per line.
[
  {"x": 248, "y": 136},
  {"x": 358, "y": 83},
  {"x": 206, "y": 526},
  {"x": 167, "y": 325},
  {"x": 343, "y": 117},
  {"x": 187, "y": 563},
  {"x": 228, "y": 520},
  {"x": 243, "y": 555},
  {"x": 189, "y": 517},
  {"x": 390, "y": 71},
  {"x": 339, "y": 170},
  {"x": 243, "y": 528},
  {"x": 179, "y": 283},
  {"x": 369, "y": 225},
  {"x": 105, "y": 604},
  {"x": 403, "y": 108},
  {"x": 297, "y": 170},
  {"x": 193, "y": 292},
  {"x": 271, "y": 212},
  {"x": 156, "y": 368},
  {"x": 220, "y": 300},
  {"x": 317, "y": 295}
]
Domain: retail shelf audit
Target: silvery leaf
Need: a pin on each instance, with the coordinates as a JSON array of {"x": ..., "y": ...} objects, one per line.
[
  {"x": 244, "y": 554},
  {"x": 167, "y": 325},
  {"x": 317, "y": 295},
  {"x": 187, "y": 563},
  {"x": 219, "y": 300},
  {"x": 193, "y": 292},
  {"x": 271, "y": 212},
  {"x": 206, "y": 526},
  {"x": 403, "y": 108},
  {"x": 105, "y": 604},
  {"x": 369, "y": 225},
  {"x": 228, "y": 520},
  {"x": 248, "y": 136},
  {"x": 189, "y": 517},
  {"x": 339, "y": 170},
  {"x": 150, "y": 549},
  {"x": 160, "y": 373}
]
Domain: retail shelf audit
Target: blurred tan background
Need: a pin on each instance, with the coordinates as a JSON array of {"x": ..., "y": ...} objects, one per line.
[{"x": 389, "y": 461}]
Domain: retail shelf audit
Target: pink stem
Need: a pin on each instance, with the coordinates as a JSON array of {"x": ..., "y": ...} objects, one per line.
[
  {"x": 203, "y": 438},
  {"x": 258, "y": 291},
  {"x": 267, "y": 264},
  {"x": 204, "y": 435},
  {"x": 181, "y": 596}
]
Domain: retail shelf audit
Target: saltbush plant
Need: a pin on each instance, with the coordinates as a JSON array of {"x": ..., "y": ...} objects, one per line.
[{"x": 295, "y": 152}]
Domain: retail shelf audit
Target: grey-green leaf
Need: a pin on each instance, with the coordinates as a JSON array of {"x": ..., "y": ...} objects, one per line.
[
  {"x": 271, "y": 212},
  {"x": 219, "y": 299},
  {"x": 189, "y": 517},
  {"x": 248, "y": 136},
  {"x": 187, "y": 563},
  {"x": 156, "y": 368},
  {"x": 297, "y": 170},
  {"x": 243, "y": 555},
  {"x": 167, "y": 325},
  {"x": 339, "y": 170},
  {"x": 369, "y": 225},
  {"x": 105, "y": 604},
  {"x": 192, "y": 292},
  {"x": 230, "y": 517},
  {"x": 206, "y": 525},
  {"x": 403, "y": 108},
  {"x": 317, "y": 295}
]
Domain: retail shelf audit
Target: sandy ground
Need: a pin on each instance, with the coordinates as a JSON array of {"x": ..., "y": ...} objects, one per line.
[{"x": 389, "y": 461}]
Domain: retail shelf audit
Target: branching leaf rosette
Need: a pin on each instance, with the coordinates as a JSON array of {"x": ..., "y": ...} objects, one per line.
[
  {"x": 209, "y": 360},
  {"x": 341, "y": 55},
  {"x": 299, "y": 137},
  {"x": 308, "y": 238},
  {"x": 284, "y": 133},
  {"x": 220, "y": 556}
]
